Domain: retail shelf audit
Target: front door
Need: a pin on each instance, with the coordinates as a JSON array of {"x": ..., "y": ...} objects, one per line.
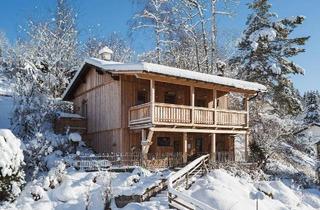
[{"x": 199, "y": 144}]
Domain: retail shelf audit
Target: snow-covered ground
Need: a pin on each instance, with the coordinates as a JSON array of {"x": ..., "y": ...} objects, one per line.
[
  {"x": 225, "y": 192},
  {"x": 82, "y": 190},
  {"x": 87, "y": 190}
]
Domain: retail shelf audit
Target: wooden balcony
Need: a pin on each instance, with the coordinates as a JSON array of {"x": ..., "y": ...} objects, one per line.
[{"x": 149, "y": 114}]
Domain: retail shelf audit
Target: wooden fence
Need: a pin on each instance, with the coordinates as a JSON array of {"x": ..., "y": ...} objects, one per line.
[{"x": 104, "y": 161}]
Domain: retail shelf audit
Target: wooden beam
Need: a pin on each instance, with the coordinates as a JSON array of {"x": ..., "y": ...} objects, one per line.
[
  {"x": 187, "y": 82},
  {"x": 193, "y": 130},
  {"x": 213, "y": 147},
  {"x": 145, "y": 143},
  {"x": 143, "y": 135},
  {"x": 192, "y": 99},
  {"x": 214, "y": 93},
  {"x": 199, "y": 125},
  {"x": 152, "y": 99},
  {"x": 185, "y": 148},
  {"x": 247, "y": 109}
]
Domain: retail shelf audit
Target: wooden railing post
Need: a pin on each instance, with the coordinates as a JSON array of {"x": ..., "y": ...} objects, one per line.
[
  {"x": 152, "y": 99},
  {"x": 192, "y": 99},
  {"x": 215, "y": 107}
]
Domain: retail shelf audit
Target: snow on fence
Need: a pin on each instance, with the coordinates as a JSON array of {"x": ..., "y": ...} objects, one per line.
[
  {"x": 183, "y": 180},
  {"x": 105, "y": 161}
]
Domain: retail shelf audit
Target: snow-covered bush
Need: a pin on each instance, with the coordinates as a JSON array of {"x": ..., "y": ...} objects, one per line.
[
  {"x": 269, "y": 130},
  {"x": 55, "y": 177},
  {"x": 75, "y": 139},
  {"x": 44, "y": 150},
  {"x": 37, "y": 192},
  {"x": 11, "y": 161}
]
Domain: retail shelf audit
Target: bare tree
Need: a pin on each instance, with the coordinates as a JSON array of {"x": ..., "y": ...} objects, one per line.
[
  {"x": 122, "y": 51},
  {"x": 184, "y": 28},
  {"x": 156, "y": 16}
]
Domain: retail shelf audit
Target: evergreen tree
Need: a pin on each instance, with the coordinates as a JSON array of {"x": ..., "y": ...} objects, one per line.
[
  {"x": 312, "y": 100},
  {"x": 264, "y": 50}
]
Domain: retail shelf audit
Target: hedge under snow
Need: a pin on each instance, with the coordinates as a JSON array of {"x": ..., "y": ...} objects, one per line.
[{"x": 11, "y": 156}]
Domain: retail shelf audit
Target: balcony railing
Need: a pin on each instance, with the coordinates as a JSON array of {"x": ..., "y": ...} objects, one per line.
[{"x": 171, "y": 114}]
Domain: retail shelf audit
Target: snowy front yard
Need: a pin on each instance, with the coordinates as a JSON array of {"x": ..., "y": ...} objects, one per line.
[
  {"x": 82, "y": 190},
  {"x": 225, "y": 192},
  {"x": 88, "y": 190}
]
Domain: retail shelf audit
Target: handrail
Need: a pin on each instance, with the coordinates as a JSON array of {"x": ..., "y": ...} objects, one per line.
[
  {"x": 186, "y": 115},
  {"x": 185, "y": 200},
  {"x": 204, "y": 108},
  {"x": 232, "y": 111},
  {"x": 139, "y": 106},
  {"x": 173, "y": 105}
]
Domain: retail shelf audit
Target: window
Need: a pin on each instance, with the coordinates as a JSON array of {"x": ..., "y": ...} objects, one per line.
[
  {"x": 84, "y": 108},
  {"x": 170, "y": 97},
  {"x": 142, "y": 97},
  {"x": 163, "y": 141},
  {"x": 200, "y": 103}
]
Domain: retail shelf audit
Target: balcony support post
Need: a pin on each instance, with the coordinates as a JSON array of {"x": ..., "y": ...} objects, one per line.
[
  {"x": 145, "y": 144},
  {"x": 246, "y": 107},
  {"x": 213, "y": 147},
  {"x": 214, "y": 98},
  {"x": 184, "y": 147},
  {"x": 192, "y": 99},
  {"x": 152, "y": 99}
]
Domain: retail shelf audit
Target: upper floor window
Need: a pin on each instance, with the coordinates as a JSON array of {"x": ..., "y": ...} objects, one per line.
[
  {"x": 142, "y": 97},
  {"x": 170, "y": 97},
  {"x": 200, "y": 103}
]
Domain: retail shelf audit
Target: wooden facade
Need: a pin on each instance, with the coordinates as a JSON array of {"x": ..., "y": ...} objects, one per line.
[{"x": 157, "y": 114}]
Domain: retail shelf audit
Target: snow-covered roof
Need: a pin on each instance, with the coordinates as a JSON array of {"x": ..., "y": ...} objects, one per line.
[
  {"x": 118, "y": 68},
  {"x": 69, "y": 115}
]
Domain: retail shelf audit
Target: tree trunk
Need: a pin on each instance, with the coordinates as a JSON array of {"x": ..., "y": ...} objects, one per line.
[{"x": 213, "y": 36}]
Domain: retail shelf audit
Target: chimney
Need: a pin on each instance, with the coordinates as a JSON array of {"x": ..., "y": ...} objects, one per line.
[{"x": 105, "y": 53}]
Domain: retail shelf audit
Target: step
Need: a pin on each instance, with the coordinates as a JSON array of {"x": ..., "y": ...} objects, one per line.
[
  {"x": 159, "y": 199},
  {"x": 159, "y": 205},
  {"x": 162, "y": 194}
]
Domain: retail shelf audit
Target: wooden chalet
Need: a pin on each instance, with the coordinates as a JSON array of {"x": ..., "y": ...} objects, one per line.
[{"x": 150, "y": 108}]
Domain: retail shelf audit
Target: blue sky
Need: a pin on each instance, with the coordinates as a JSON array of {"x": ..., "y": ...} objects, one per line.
[{"x": 106, "y": 16}]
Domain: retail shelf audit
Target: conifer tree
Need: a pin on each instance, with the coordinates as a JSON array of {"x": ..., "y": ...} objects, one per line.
[
  {"x": 264, "y": 52},
  {"x": 312, "y": 101}
]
